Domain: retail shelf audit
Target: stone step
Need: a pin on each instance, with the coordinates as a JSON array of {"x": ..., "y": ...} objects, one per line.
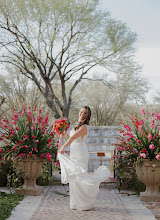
[{"x": 109, "y": 185}]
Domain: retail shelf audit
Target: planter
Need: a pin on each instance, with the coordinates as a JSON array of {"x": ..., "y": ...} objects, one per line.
[
  {"x": 32, "y": 166},
  {"x": 150, "y": 178}
]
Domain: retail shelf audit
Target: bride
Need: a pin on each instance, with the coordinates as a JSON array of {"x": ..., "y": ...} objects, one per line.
[{"x": 83, "y": 187}]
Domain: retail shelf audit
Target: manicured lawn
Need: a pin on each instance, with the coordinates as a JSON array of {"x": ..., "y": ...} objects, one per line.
[{"x": 7, "y": 203}]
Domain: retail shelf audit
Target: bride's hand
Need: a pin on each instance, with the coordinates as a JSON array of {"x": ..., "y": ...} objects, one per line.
[
  {"x": 63, "y": 134},
  {"x": 61, "y": 151}
]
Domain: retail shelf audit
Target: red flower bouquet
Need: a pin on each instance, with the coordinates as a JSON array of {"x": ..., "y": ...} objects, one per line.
[{"x": 60, "y": 126}]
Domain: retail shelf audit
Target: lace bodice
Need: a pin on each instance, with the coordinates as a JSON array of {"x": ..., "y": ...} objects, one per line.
[
  {"x": 78, "y": 140},
  {"x": 79, "y": 152}
]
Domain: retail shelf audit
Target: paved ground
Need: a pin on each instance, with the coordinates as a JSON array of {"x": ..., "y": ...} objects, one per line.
[{"x": 110, "y": 206}]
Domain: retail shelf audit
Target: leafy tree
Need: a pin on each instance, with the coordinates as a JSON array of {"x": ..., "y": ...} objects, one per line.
[
  {"x": 112, "y": 100},
  {"x": 156, "y": 97},
  {"x": 62, "y": 41},
  {"x": 17, "y": 90}
]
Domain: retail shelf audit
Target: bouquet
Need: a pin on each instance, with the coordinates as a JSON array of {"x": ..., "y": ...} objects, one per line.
[{"x": 61, "y": 126}]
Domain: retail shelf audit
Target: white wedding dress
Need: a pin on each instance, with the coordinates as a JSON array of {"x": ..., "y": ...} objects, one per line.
[{"x": 83, "y": 187}]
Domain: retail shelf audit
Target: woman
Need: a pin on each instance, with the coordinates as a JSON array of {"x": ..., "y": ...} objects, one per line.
[{"x": 83, "y": 186}]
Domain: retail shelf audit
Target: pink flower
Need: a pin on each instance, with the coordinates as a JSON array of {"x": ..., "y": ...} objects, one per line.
[
  {"x": 1, "y": 139},
  {"x": 30, "y": 153},
  {"x": 58, "y": 163},
  {"x": 143, "y": 113},
  {"x": 149, "y": 137},
  {"x": 22, "y": 154},
  {"x": 49, "y": 140},
  {"x": 35, "y": 149},
  {"x": 33, "y": 137},
  {"x": 13, "y": 132},
  {"x": 26, "y": 137},
  {"x": 42, "y": 156},
  {"x": 37, "y": 141},
  {"x": 151, "y": 146},
  {"x": 29, "y": 110},
  {"x": 32, "y": 128},
  {"x": 1, "y": 150},
  {"x": 158, "y": 156},
  {"x": 49, "y": 156},
  {"x": 23, "y": 112},
  {"x": 151, "y": 125},
  {"x": 143, "y": 155}
]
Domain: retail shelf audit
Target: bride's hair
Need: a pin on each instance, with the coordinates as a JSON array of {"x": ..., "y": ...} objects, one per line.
[{"x": 79, "y": 124}]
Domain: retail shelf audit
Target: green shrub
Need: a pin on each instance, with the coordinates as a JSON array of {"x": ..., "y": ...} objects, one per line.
[
  {"x": 7, "y": 203},
  {"x": 5, "y": 169}
]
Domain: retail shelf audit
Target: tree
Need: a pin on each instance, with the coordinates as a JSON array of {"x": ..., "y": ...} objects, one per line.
[
  {"x": 112, "y": 101},
  {"x": 156, "y": 97},
  {"x": 2, "y": 99},
  {"x": 16, "y": 90},
  {"x": 62, "y": 41}
]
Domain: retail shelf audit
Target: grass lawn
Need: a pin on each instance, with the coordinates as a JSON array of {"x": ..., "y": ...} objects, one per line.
[{"x": 7, "y": 203}]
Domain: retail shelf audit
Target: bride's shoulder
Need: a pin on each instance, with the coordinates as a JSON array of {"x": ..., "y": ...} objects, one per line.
[{"x": 84, "y": 127}]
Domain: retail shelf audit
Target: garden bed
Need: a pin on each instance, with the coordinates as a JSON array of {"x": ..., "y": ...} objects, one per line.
[{"x": 7, "y": 204}]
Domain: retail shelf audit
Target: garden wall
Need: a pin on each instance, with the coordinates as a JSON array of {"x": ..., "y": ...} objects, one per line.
[{"x": 101, "y": 139}]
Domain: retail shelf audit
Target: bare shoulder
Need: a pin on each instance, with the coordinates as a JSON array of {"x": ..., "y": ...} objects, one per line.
[{"x": 84, "y": 128}]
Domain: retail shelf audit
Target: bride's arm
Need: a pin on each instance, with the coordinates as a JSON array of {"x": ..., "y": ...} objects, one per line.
[
  {"x": 60, "y": 142},
  {"x": 67, "y": 134},
  {"x": 81, "y": 131}
]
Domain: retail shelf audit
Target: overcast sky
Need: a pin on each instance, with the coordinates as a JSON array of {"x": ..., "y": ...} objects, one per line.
[{"x": 143, "y": 17}]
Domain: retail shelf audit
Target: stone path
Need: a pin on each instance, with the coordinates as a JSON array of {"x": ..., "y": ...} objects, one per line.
[{"x": 110, "y": 206}]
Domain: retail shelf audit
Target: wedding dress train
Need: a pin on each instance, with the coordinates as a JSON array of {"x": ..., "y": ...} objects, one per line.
[{"x": 83, "y": 187}]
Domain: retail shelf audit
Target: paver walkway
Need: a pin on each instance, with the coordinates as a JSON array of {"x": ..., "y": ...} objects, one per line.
[{"x": 110, "y": 206}]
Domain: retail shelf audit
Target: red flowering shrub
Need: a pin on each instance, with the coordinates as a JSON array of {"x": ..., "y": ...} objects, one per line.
[
  {"x": 138, "y": 139},
  {"x": 25, "y": 133},
  {"x": 141, "y": 138}
]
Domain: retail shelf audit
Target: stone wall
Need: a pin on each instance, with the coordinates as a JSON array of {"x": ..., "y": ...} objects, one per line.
[{"x": 101, "y": 139}]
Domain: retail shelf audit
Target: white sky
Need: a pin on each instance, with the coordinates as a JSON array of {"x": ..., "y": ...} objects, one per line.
[{"x": 143, "y": 17}]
